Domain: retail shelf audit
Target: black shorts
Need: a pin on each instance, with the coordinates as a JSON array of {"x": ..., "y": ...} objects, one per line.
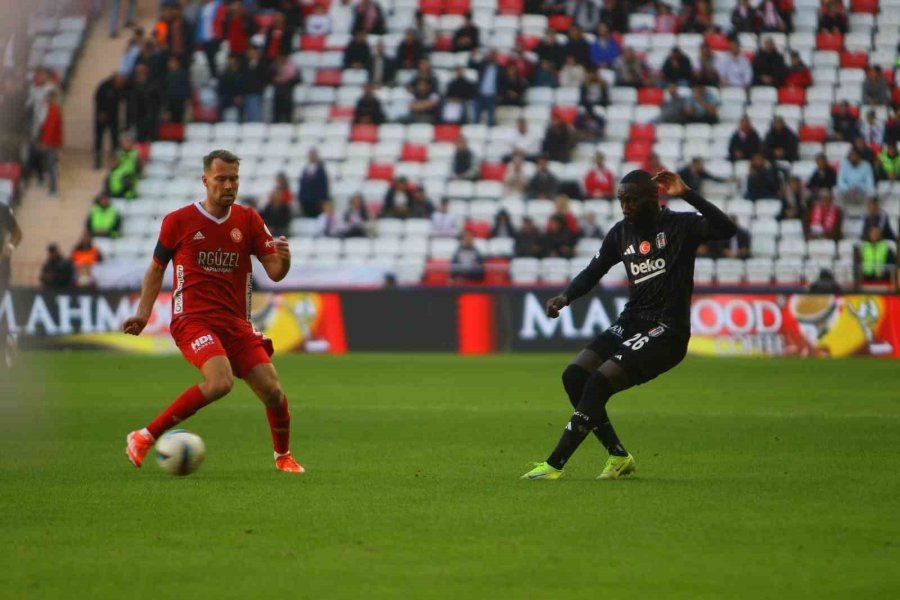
[{"x": 643, "y": 349}]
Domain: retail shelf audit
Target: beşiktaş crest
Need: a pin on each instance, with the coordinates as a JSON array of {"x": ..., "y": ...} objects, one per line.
[{"x": 661, "y": 240}]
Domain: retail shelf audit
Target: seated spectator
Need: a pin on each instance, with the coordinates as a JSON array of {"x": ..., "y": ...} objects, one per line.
[
  {"x": 444, "y": 224},
  {"x": 397, "y": 199},
  {"x": 797, "y": 74},
  {"x": 888, "y": 163},
  {"x": 696, "y": 18},
  {"x": 876, "y": 217},
  {"x": 855, "y": 180},
  {"x": 865, "y": 151},
  {"x": 465, "y": 165},
  {"x": 825, "y": 283},
  {"x": 744, "y": 142},
  {"x": 559, "y": 140},
  {"x": 356, "y": 218},
  {"x": 589, "y": 126},
  {"x": 104, "y": 219},
  {"x": 665, "y": 21},
  {"x": 467, "y": 37},
  {"x": 677, "y": 68},
  {"x": 614, "y": 15},
  {"x": 425, "y": 103},
  {"x": 797, "y": 198},
  {"x": 328, "y": 224},
  {"x": 577, "y": 47},
  {"x": 381, "y": 67},
  {"x": 604, "y": 49},
  {"x": 85, "y": 255},
  {"x": 467, "y": 265},
  {"x": 57, "y": 272},
  {"x": 231, "y": 84},
  {"x": 781, "y": 143},
  {"x": 313, "y": 188},
  {"x": 701, "y": 107},
  {"x": 318, "y": 23},
  {"x": 548, "y": 49},
  {"x": 824, "y": 177},
  {"x": 572, "y": 74},
  {"x": 833, "y": 19},
  {"x": 825, "y": 219},
  {"x": 737, "y": 246},
  {"x": 763, "y": 180},
  {"x": 543, "y": 183},
  {"x": 843, "y": 123},
  {"x": 594, "y": 91},
  {"x": 424, "y": 72},
  {"x": 653, "y": 164},
  {"x": 674, "y": 108},
  {"x": 744, "y": 18},
  {"x": 559, "y": 241},
  {"x": 514, "y": 87},
  {"x": 285, "y": 75},
  {"x": 425, "y": 30},
  {"x": 420, "y": 207},
  {"x": 875, "y": 89},
  {"x": 523, "y": 59},
  {"x": 524, "y": 142},
  {"x": 877, "y": 261},
  {"x": 561, "y": 209},
  {"x": 529, "y": 241},
  {"x": 585, "y": 13},
  {"x": 630, "y": 70},
  {"x": 176, "y": 90},
  {"x": 277, "y": 211},
  {"x": 733, "y": 67},
  {"x": 368, "y": 108},
  {"x": 410, "y": 51},
  {"x": 768, "y": 65},
  {"x": 589, "y": 227},
  {"x": 892, "y": 127},
  {"x": 357, "y": 54},
  {"x": 515, "y": 182},
  {"x": 545, "y": 75},
  {"x": 458, "y": 102},
  {"x": 369, "y": 17},
  {"x": 695, "y": 174},
  {"x": 600, "y": 181},
  {"x": 871, "y": 130},
  {"x": 123, "y": 178},
  {"x": 503, "y": 227},
  {"x": 707, "y": 73},
  {"x": 773, "y": 18}
]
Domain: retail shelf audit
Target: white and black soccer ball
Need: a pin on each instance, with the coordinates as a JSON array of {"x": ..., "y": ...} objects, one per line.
[{"x": 180, "y": 452}]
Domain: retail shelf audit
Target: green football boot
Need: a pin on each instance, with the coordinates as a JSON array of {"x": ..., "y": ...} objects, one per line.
[
  {"x": 543, "y": 470},
  {"x": 616, "y": 466}
]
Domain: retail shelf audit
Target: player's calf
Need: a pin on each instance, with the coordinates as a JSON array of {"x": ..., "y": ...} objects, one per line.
[{"x": 574, "y": 378}]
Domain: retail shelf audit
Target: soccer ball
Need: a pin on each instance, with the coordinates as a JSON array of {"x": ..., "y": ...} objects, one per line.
[{"x": 180, "y": 452}]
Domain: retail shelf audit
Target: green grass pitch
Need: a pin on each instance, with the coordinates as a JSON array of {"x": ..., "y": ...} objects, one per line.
[{"x": 756, "y": 479}]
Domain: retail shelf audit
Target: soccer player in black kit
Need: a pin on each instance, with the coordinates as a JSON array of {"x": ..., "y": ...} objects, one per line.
[{"x": 658, "y": 247}]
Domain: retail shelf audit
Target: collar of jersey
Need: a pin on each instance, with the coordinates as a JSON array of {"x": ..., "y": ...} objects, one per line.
[{"x": 205, "y": 213}]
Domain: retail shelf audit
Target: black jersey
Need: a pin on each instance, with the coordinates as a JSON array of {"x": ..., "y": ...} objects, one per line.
[{"x": 659, "y": 262}]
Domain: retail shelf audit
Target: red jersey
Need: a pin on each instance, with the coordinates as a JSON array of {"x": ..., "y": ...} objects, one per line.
[
  {"x": 211, "y": 259},
  {"x": 599, "y": 183}
]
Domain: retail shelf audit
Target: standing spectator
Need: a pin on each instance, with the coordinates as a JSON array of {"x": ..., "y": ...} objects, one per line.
[
  {"x": 515, "y": 181},
  {"x": 674, "y": 108},
  {"x": 888, "y": 163},
  {"x": 572, "y": 74},
  {"x": 871, "y": 130},
  {"x": 600, "y": 181},
  {"x": 855, "y": 181},
  {"x": 707, "y": 72},
  {"x": 318, "y": 23},
  {"x": 368, "y": 108},
  {"x": 833, "y": 19},
  {"x": 559, "y": 139},
  {"x": 313, "y": 186},
  {"x": 604, "y": 49},
  {"x": 585, "y": 13},
  {"x": 237, "y": 28},
  {"x": 744, "y": 142},
  {"x": 144, "y": 104},
  {"x": 875, "y": 88},
  {"x": 877, "y": 218},
  {"x": 543, "y": 183},
  {"x": 258, "y": 76},
  {"x": 279, "y": 37},
  {"x": 410, "y": 51},
  {"x": 381, "y": 68},
  {"x": 737, "y": 246},
  {"x": 733, "y": 67},
  {"x": 132, "y": 52},
  {"x": 825, "y": 219},
  {"x": 285, "y": 75},
  {"x": 368, "y": 17},
  {"x": 357, "y": 54},
  {"x": 514, "y": 87},
  {"x": 397, "y": 199},
  {"x": 503, "y": 227},
  {"x": 798, "y": 74},
  {"x": 529, "y": 240},
  {"x": 329, "y": 224},
  {"x": 208, "y": 34},
  {"x": 781, "y": 143},
  {"x": 843, "y": 123},
  {"x": 155, "y": 59},
  {"x": 490, "y": 82},
  {"x": 356, "y": 218},
  {"x": 114, "y": 16},
  {"x": 425, "y": 29},
  {"x": 104, "y": 219},
  {"x": 57, "y": 272},
  {"x": 695, "y": 174},
  {"x": 701, "y": 107},
  {"x": 277, "y": 211},
  {"x": 173, "y": 34},
  {"x": 768, "y": 65},
  {"x": 559, "y": 241},
  {"x": 467, "y": 265},
  {"x": 824, "y": 177},
  {"x": 108, "y": 98},
  {"x": 176, "y": 90},
  {"x": 467, "y": 37},
  {"x": 744, "y": 18},
  {"x": 774, "y": 19},
  {"x": 876, "y": 258},
  {"x": 51, "y": 140},
  {"x": 464, "y": 164},
  {"x": 231, "y": 85},
  {"x": 677, "y": 68},
  {"x": 615, "y": 16},
  {"x": 84, "y": 256},
  {"x": 444, "y": 224},
  {"x": 763, "y": 180},
  {"x": 523, "y": 59},
  {"x": 630, "y": 70}
]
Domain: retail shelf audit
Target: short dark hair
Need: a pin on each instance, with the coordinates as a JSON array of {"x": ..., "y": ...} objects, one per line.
[
  {"x": 223, "y": 155},
  {"x": 638, "y": 176}
]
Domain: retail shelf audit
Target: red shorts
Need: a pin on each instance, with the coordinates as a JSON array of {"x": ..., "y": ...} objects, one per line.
[{"x": 234, "y": 338}]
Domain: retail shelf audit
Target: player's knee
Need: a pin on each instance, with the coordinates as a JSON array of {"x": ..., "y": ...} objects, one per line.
[
  {"x": 574, "y": 378},
  {"x": 273, "y": 396},
  {"x": 599, "y": 388},
  {"x": 219, "y": 386}
]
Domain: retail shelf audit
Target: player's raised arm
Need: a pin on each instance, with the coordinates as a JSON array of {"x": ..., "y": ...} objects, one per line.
[
  {"x": 590, "y": 276},
  {"x": 718, "y": 225}
]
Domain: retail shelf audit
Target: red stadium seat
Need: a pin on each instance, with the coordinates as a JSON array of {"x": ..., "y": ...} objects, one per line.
[
  {"x": 171, "y": 132},
  {"x": 854, "y": 110},
  {"x": 650, "y": 96},
  {"x": 792, "y": 95},
  {"x": 143, "y": 149},
  {"x": 493, "y": 171},
  {"x": 496, "y": 271},
  {"x": 312, "y": 43},
  {"x": 529, "y": 41},
  {"x": 509, "y": 7},
  {"x": 364, "y": 133},
  {"x": 854, "y": 60},
  {"x": 414, "y": 153},
  {"x": 437, "y": 272},
  {"x": 456, "y": 7},
  {"x": 443, "y": 43},
  {"x": 446, "y": 133},
  {"x": 431, "y": 7},
  {"x": 864, "y": 6},
  {"x": 895, "y": 95},
  {"x": 561, "y": 23},
  {"x": 642, "y": 132},
  {"x": 340, "y": 113},
  {"x": 480, "y": 229},
  {"x": 717, "y": 41},
  {"x": 566, "y": 113},
  {"x": 384, "y": 172},
  {"x": 638, "y": 151},
  {"x": 830, "y": 41},
  {"x": 812, "y": 133},
  {"x": 264, "y": 20},
  {"x": 330, "y": 77}
]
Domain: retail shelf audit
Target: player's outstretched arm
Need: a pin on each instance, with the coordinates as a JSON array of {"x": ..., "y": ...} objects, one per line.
[
  {"x": 278, "y": 263},
  {"x": 153, "y": 280},
  {"x": 590, "y": 276},
  {"x": 720, "y": 226}
]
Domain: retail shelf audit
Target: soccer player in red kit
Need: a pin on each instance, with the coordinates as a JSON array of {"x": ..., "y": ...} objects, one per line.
[{"x": 210, "y": 243}]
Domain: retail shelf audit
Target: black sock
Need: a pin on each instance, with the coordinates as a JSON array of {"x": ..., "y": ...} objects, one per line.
[
  {"x": 574, "y": 379},
  {"x": 598, "y": 387},
  {"x": 574, "y": 433}
]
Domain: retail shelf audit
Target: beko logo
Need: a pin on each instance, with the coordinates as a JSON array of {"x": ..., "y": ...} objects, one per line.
[{"x": 649, "y": 268}]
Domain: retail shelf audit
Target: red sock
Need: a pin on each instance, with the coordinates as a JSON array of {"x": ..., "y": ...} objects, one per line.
[
  {"x": 280, "y": 424},
  {"x": 189, "y": 402}
]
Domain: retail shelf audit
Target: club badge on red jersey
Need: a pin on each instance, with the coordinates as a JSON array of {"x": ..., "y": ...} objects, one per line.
[
  {"x": 661, "y": 240},
  {"x": 236, "y": 235},
  {"x": 645, "y": 247}
]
